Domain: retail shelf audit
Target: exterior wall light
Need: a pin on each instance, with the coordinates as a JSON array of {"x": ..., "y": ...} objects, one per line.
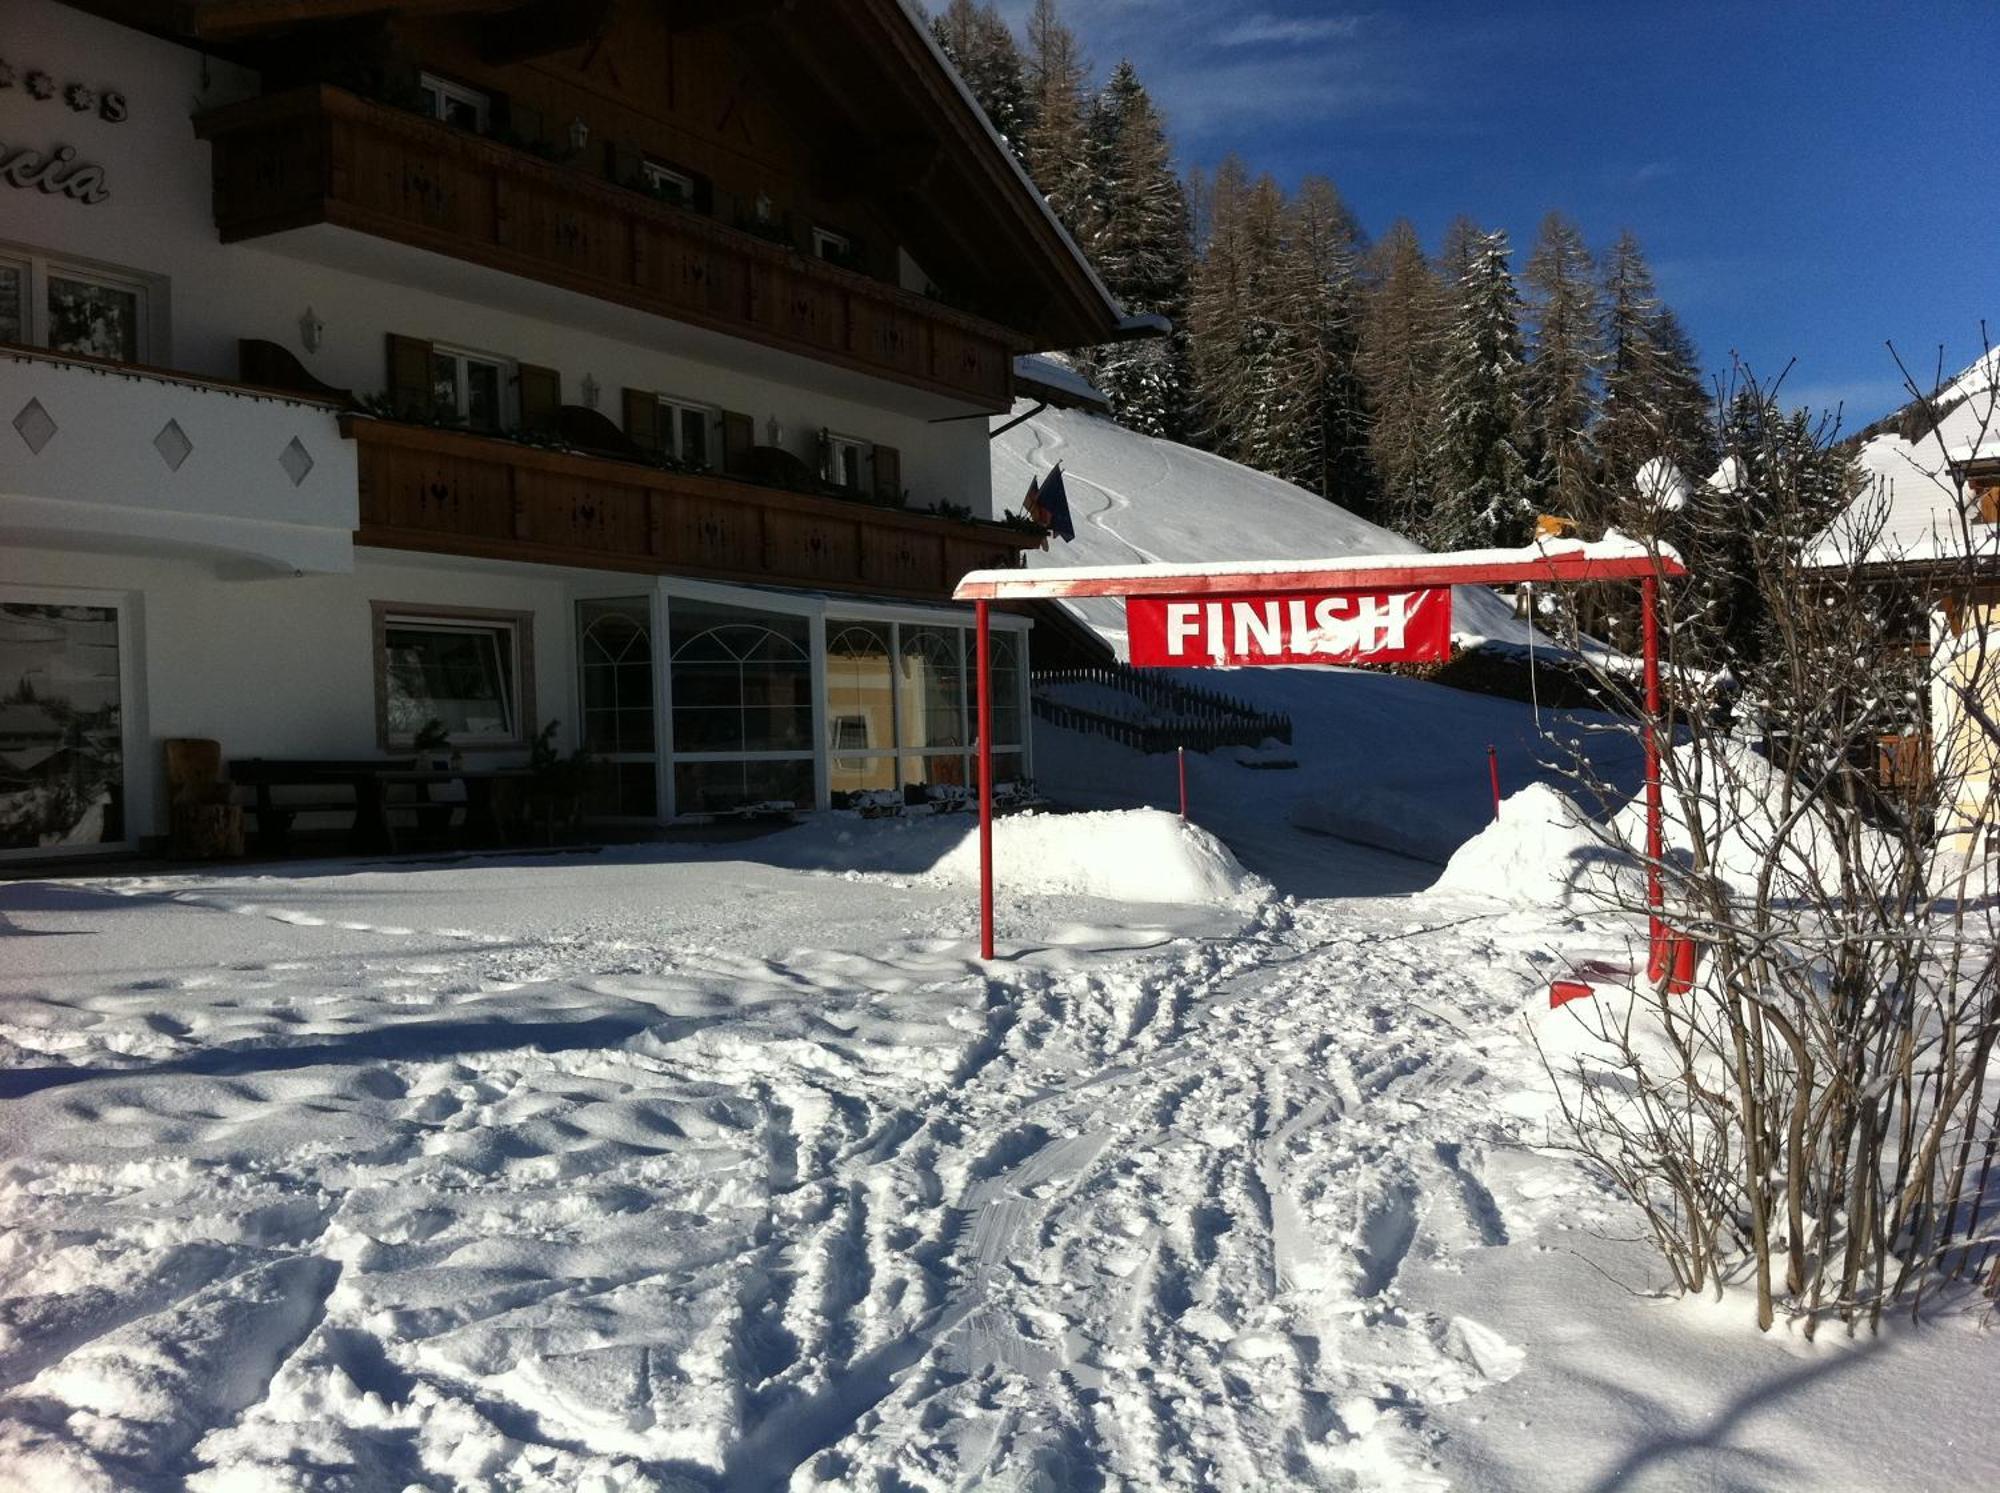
[{"x": 312, "y": 331}]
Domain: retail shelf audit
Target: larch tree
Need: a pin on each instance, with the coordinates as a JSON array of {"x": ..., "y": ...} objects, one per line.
[
  {"x": 1318, "y": 287},
  {"x": 1057, "y": 140},
  {"x": 1654, "y": 406},
  {"x": 1401, "y": 344},
  {"x": 1143, "y": 249},
  {"x": 983, "y": 50},
  {"x": 1486, "y": 493},
  {"x": 1562, "y": 375}
]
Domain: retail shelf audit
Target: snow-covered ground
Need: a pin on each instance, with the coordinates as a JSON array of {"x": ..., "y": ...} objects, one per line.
[{"x": 718, "y": 1168}]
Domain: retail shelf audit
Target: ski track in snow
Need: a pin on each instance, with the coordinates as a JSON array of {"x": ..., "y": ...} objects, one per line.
[{"x": 1105, "y": 1219}]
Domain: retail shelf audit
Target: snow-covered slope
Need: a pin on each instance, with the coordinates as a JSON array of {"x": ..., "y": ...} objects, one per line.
[{"x": 1139, "y": 499}]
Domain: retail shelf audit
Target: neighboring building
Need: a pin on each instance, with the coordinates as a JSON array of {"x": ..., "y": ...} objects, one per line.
[
  {"x": 624, "y": 363},
  {"x": 1925, "y": 533}
]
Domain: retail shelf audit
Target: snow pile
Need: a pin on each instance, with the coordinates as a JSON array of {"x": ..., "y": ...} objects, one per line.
[
  {"x": 1541, "y": 851},
  {"x": 1135, "y": 855}
]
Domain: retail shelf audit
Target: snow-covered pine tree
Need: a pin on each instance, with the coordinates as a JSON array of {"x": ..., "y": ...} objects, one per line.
[
  {"x": 1057, "y": 139},
  {"x": 1562, "y": 375},
  {"x": 1402, "y": 329},
  {"x": 981, "y": 47},
  {"x": 1685, "y": 400},
  {"x": 1318, "y": 290},
  {"x": 1144, "y": 252},
  {"x": 1485, "y": 489}
]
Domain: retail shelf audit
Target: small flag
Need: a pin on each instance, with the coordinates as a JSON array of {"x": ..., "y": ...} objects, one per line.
[
  {"x": 1032, "y": 504},
  {"x": 1053, "y": 500}
]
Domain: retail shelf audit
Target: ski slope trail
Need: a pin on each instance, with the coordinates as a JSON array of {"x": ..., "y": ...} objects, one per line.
[
  {"x": 574, "y": 1205},
  {"x": 1177, "y": 1202}
]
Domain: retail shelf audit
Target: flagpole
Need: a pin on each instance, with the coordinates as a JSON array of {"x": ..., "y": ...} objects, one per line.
[{"x": 985, "y": 674}]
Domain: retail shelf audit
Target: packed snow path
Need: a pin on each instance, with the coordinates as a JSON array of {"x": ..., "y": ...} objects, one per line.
[{"x": 616, "y": 1176}]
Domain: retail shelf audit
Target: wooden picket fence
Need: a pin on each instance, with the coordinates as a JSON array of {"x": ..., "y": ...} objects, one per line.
[{"x": 1183, "y": 715}]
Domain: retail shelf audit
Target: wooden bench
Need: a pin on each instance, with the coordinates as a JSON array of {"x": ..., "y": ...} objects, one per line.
[{"x": 366, "y": 801}]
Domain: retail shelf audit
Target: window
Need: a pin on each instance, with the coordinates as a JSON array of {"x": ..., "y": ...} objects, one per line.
[
  {"x": 848, "y": 462},
  {"x": 458, "y": 106},
  {"x": 742, "y": 707},
  {"x": 74, "y": 308},
  {"x": 464, "y": 668},
  {"x": 687, "y": 432},
  {"x": 836, "y": 248},
  {"x": 62, "y": 733},
  {"x": 615, "y": 650},
  {"x": 860, "y": 706},
  {"x": 667, "y": 182},
  {"x": 471, "y": 386}
]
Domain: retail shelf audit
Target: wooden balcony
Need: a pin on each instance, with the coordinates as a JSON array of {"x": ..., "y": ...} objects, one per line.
[
  {"x": 320, "y": 155},
  {"x": 447, "y": 492}
]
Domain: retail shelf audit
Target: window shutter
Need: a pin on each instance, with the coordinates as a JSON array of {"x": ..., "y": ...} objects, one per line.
[
  {"x": 704, "y": 195},
  {"x": 739, "y": 435},
  {"x": 889, "y": 474},
  {"x": 410, "y": 377},
  {"x": 642, "y": 419},
  {"x": 622, "y": 162},
  {"x": 541, "y": 397},
  {"x": 499, "y": 114}
]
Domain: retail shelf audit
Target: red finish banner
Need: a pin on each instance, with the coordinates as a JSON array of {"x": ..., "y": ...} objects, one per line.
[{"x": 1292, "y": 627}]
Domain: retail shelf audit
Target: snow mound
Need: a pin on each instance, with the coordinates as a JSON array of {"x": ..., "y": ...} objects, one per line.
[
  {"x": 1132, "y": 855},
  {"x": 1541, "y": 851}
]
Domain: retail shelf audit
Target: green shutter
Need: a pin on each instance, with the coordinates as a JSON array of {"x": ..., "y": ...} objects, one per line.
[
  {"x": 410, "y": 387},
  {"x": 541, "y": 397},
  {"x": 739, "y": 436},
  {"x": 642, "y": 420},
  {"x": 889, "y": 474}
]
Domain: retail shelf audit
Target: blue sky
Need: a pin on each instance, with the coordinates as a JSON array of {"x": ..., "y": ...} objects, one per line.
[{"x": 1809, "y": 180}]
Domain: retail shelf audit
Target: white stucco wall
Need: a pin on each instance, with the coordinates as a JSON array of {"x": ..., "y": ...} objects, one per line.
[
  {"x": 157, "y": 220},
  {"x": 285, "y": 665}
]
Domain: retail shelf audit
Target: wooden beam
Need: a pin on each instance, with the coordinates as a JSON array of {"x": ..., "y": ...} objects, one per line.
[
  {"x": 540, "y": 28},
  {"x": 700, "y": 15}
]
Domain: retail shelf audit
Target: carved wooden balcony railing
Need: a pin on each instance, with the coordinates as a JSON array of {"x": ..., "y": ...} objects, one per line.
[
  {"x": 447, "y": 492},
  {"x": 320, "y": 155}
]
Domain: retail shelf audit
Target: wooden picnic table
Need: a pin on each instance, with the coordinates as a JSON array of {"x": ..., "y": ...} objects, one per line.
[{"x": 368, "y": 781}]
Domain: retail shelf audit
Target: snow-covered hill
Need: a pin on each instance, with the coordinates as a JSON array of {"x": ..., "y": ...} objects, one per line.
[{"x": 1138, "y": 499}]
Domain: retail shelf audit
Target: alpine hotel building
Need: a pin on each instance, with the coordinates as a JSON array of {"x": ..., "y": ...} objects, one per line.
[{"x": 621, "y": 363}]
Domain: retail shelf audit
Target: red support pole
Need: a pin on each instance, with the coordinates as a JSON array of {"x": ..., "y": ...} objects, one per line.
[
  {"x": 1181, "y": 753},
  {"x": 985, "y": 672},
  {"x": 1493, "y": 768},
  {"x": 1655, "y": 840}
]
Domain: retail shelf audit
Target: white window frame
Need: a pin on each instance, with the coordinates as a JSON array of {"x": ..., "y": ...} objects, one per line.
[
  {"x": 864, "y": 462},
  {"x": 671, "y": 410},
  {"x": 827, "y": 238},
  {"x": 517, "y": 631},
  {"x": 37, "y": 269},
  {"x": 658, "y": 176},
  {"x": 505, "y": 417},
  {"x": 448, "y": 92}
]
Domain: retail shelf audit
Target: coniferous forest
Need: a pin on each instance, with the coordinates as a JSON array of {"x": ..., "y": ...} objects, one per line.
[{"x": 1451, "y": 393}]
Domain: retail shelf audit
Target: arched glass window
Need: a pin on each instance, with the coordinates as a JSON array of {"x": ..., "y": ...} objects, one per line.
[{"x": 742, "y": 707}]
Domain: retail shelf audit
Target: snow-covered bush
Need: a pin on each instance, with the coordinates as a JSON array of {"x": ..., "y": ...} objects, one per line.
[{"x": 1816, "y": 1116}]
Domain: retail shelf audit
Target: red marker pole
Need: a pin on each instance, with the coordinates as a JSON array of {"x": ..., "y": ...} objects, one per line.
[
  {"x": 985, "y": 672},
  {"x": 1650, "y": 600},
  {"x": 1181, "y": 752},
  {"x": 1493, "y": 767}
]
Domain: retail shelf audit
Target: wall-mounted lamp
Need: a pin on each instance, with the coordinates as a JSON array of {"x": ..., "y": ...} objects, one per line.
[
  {"x": 579, "y": 134},
  {"x": 763, "y": 207},
  {"x": 590, "y": 390},
  {"x": 774, "y": 433},
  {"x": 312, "y": 331}
]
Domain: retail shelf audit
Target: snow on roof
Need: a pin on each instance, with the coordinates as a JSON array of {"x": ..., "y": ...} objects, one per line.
[
  {"x": 1137, "y": 499},
  {"x": 1606, "y": 559},
  {"x": 1057, "y": 383},
  {"x": 1908, "y": 510}
]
